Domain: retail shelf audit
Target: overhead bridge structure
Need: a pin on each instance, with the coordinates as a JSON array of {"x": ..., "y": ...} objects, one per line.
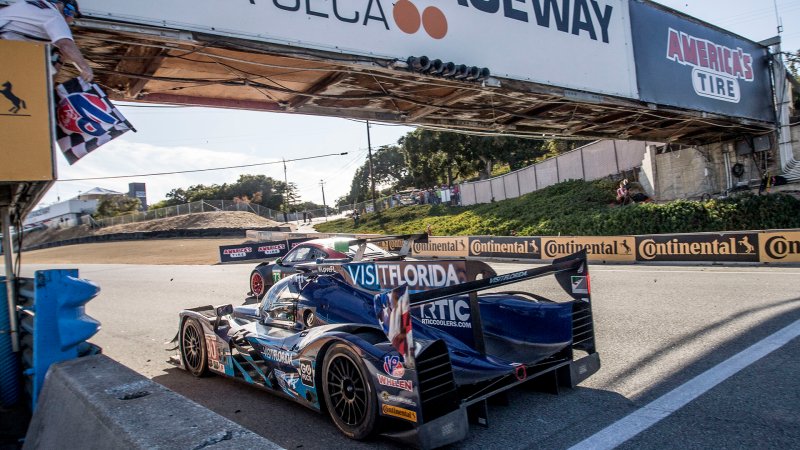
[
  {"x": 621, "y": 69},
  {"x": 600, "y": 69}
]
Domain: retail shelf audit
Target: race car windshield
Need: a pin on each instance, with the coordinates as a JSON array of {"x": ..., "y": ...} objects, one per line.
[{"x": 371, "y": 250}]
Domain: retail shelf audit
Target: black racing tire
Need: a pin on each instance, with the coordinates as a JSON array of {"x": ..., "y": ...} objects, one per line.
[
  {"x": 258, "y": 284},
  {"x": 349, "y": 395},
  {"x": 309, "y": 318},
  {"x": 193, "y": 348}
]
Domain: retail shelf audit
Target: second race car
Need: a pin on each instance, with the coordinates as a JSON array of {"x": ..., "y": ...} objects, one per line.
[{"x": 339, "y": 249}]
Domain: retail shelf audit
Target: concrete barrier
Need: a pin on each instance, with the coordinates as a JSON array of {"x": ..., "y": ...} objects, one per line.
[{"x": 97, "y": 403}]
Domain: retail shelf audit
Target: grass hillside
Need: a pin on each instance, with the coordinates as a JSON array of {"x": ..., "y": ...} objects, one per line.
[{"x": 581, "y": 208}]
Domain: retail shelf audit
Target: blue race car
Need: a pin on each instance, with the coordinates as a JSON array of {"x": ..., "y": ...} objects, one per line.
[{"x": 413, "y": 345}]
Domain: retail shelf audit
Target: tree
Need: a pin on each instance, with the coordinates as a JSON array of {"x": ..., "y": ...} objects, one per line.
[{"x": 116, "y": 205}]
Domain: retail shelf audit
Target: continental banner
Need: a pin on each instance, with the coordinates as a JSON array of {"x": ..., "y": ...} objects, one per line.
[
  {"x": 779, "y": 246},
  {"x": 505, "y": 247},
  {"x": 726, "y": 247},
  {"x": 448, "y": 247},
  {"x": 598, "y": 248}
]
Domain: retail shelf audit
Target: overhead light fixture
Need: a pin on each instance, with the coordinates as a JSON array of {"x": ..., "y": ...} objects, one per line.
[
  {"x": 420, "y": 64},
  {"x": 423, "y": 64}
]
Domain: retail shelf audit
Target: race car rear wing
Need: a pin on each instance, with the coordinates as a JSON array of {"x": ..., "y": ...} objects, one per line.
[
  {"x": 405, "y": 250},
  {"x": 571, "y": 272}
]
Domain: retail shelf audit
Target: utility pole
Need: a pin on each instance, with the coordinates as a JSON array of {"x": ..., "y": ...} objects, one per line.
[
  {"x": 324, "y": 205},
  {"x": 285, "y": 193},
  {"x": 371, "y": 177}
]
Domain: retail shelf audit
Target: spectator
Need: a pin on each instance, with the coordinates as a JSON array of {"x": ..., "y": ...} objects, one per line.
[
  {"x": 355, "y": 218},
  {"x": 623, "y": 194},
  {"x": 46, "y": 21},
  {"x": 456, "y": 195}
]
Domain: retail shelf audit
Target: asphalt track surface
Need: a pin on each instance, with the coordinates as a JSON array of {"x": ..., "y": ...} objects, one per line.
[{"x": 662, "y": 331}]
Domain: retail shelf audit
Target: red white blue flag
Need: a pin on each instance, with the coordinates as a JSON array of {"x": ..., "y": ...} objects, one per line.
[{"x": 86, "y": 119}]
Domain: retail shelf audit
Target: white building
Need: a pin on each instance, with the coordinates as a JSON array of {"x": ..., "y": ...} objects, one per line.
[{"x": 68, "y": 213}]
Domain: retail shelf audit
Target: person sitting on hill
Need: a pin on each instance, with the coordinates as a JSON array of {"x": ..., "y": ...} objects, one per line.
[{"x": 623, "y": 193}]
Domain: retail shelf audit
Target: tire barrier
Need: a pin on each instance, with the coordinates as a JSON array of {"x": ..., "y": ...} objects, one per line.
[{"x": 95, "y": 402}]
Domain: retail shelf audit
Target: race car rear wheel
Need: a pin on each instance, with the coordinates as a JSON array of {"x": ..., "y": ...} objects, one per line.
[
  {"x": 258, "y": 286},
  {"x": 193, "y": 348},
  {"x": 348, "y": 393}
]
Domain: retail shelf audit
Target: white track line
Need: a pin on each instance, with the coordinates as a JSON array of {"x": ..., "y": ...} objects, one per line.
[{"x": 650, "y": 414}]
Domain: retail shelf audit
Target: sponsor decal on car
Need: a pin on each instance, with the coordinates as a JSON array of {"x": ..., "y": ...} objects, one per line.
[
  {"x": 406, "y": 385},
  {"x": 389, "y": 398},
  {"x": 402, "y": 413},
  {"x": 580, "y": 285},
  {"x": 508, "y": 277},
  {"x": 307, "y": 373},
  {"x": 446, "y": 313},
  {"x": 280, "y": 356},
  {"x": 393, "y": 366},
  {"x": 287, "y": 381},
  {"x": 419, "y": 276}
]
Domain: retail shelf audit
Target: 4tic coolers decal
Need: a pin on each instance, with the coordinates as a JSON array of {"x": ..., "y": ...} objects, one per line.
[{"x": 716, "y": 69}]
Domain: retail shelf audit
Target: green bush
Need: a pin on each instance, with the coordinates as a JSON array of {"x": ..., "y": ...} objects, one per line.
[{"x": 581, "y": 208}]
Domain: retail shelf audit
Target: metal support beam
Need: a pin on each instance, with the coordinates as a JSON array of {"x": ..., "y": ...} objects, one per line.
[{"x": 5, "y": 226}]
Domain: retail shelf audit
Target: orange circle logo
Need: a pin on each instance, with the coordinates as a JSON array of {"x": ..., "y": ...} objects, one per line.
[
  {"x": 408, "y": 19},
  {"x": 435, "y": 22}
]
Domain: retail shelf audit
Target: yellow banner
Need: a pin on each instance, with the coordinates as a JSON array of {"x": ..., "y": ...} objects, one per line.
[
  {"x": 598, "y": 248},
  {"x": 779, "y": 246},
  {"x": 443, "y": 247},
  {"x": 26, "y": 150}
]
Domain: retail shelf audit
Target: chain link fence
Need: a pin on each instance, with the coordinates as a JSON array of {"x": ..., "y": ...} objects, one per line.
[{"x": 203, "y": 206}]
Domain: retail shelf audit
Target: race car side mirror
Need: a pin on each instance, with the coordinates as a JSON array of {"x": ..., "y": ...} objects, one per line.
[
  {"x": 224, "y": 310},
  {"x": 279, "y": 261}
]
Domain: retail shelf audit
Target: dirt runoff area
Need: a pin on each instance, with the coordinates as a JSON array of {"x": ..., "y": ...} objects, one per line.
[{"x": 150, "y": 251}]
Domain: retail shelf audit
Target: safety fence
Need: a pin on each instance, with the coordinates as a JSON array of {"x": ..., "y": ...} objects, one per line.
[
  {"x": 770, "y": 246},
  {"x": 590, "y": 162}
]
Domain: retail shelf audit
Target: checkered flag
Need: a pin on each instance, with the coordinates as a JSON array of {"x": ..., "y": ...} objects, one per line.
[{"x": 86, "y": 119}]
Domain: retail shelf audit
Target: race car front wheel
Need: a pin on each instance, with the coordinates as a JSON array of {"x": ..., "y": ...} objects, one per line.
[
  {"x": 348, "y": 393},
  {"x": 193, "y": 348},
  {"x": 258, "y": 287}
]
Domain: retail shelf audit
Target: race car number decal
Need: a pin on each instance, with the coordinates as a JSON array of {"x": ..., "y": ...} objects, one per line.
[{"x": 213, "y": 352}]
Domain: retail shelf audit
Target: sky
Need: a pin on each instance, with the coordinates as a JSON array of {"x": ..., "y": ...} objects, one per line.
[{"x": 185, "y": 138}]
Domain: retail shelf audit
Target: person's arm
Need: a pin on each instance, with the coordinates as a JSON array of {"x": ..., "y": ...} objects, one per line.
[{"x": 72, "y": 53}]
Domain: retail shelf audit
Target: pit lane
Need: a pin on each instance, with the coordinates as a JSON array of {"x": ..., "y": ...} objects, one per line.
[{"x": 656, "y": 327}]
